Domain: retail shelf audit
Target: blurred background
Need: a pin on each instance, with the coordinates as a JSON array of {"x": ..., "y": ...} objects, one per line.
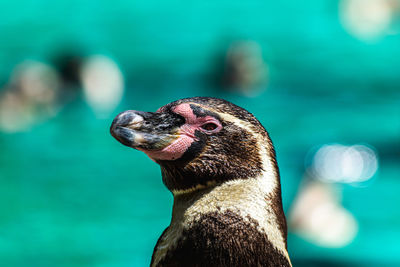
[{"x": 323, "y": 77}]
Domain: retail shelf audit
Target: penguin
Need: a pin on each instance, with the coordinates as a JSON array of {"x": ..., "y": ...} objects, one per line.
[{"x": 219, "y": 163}]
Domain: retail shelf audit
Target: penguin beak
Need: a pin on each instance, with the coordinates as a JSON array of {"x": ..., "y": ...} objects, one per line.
[{"x": 146, "y": 130}]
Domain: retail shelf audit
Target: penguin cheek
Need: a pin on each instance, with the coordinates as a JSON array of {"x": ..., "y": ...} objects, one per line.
[{"x": 173, "y": 151}]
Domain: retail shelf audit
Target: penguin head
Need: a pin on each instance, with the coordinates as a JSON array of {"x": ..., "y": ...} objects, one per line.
[{"x": 197, "y": 141}]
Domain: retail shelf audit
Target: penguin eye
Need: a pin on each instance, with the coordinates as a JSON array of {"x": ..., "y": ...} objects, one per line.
[{"x": 209, "y": 126}]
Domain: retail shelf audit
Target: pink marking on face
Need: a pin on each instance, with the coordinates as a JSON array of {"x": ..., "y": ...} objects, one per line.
[
  {"x": 194, "y": 123},
  {"x": 186, "y": 133},
  {"x": 185, "y": 111},
  {"x": 173, "y": 151}
]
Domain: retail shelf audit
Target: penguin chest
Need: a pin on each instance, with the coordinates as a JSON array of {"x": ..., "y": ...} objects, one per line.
[{"x": 217, "y": 239}]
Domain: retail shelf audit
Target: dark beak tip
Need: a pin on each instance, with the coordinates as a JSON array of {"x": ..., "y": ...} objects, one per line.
[
  {"x": 125, "y": 118},
  {"x": 121, "y": 127},
  {"x": 112, "y": 127},
  {"x": 123, "y": 135},
  {"x": 139, "y": 129}
]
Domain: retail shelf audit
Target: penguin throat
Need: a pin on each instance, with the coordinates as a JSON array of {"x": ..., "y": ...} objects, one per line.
[
  {"x": 179, "y": 181},
  {"x": 209, "y": 184},
  {"x": 183, "y": 177}
]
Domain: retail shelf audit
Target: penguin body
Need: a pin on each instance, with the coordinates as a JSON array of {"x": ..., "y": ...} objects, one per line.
[{"x": 219, "y": 163}]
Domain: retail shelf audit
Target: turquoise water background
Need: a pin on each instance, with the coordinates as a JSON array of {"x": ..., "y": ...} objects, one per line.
[{"x": 70, "y": 195}]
